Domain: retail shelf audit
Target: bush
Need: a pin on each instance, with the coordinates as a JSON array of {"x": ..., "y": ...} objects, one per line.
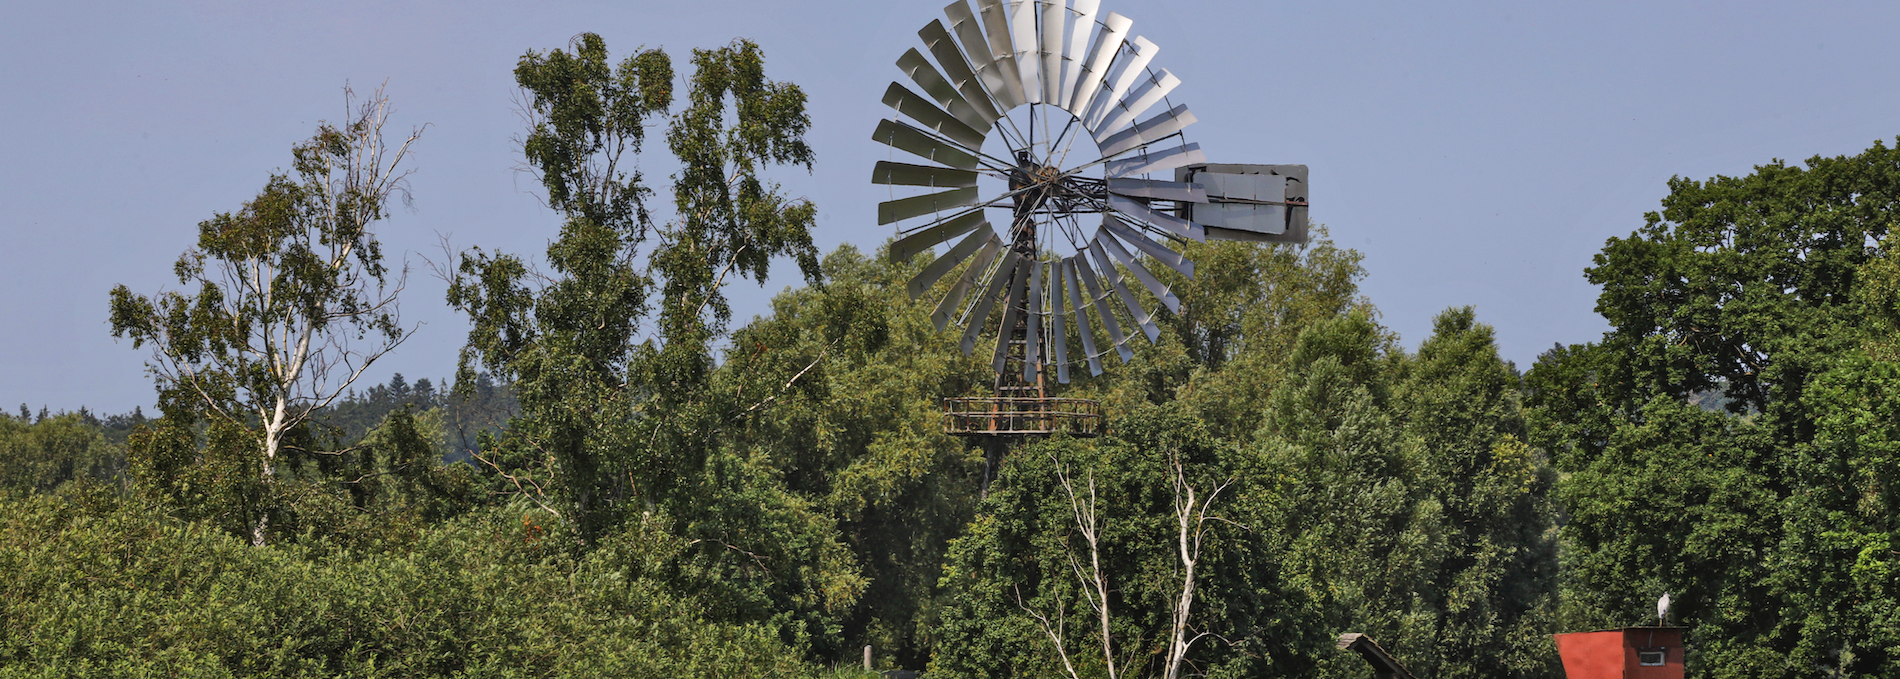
[{"x": 100, "y": 586}]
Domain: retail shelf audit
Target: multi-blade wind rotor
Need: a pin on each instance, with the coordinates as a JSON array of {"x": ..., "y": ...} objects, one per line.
[{"x": 1033, "y": 78}]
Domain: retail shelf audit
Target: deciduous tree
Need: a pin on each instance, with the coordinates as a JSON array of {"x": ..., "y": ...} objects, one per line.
[
  {"x": 620, "y": 423},
  {"x": 285, "y": 302},
  {"x": 1768, "y": 524}
]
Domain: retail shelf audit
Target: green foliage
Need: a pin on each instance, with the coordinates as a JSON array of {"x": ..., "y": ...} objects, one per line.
[
  {"x": 1767, "y": 524},
  {"x": 1843, "y": 544},
  {"x": 590, "y": 114},
  {"x": 112, "y": 589},
  {"x": 1464, "y": 430},
  {"x": 1242, "y": 314},
  {"x": 617, "y": 431},
  {"x": 212, "y": 480},
  {"x": 384, "y": 487},
  {"x": 296, "y": 268},
  {"x": 282, "y": 287},
  {"x": 1416, "y": 514},
  {"x": 847, "y": 380},
  {"x": 389, "y": 485},
  {"x": 465, "y": 412},
  {"x": 1741, "y": 282},
  {"x": 843, "y": 382},
  {"x": 56, "y": 452},
  {"x": 1384, "y": 493},
  {"x": 354, "y": 415},
  {"x": 1021, "y": 581},
  {"x": 1675, "y": 504},
  {"x": 736, "y": 124}
]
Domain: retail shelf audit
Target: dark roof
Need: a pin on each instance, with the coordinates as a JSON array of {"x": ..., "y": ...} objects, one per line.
[{"x": 1384, "y": 666}]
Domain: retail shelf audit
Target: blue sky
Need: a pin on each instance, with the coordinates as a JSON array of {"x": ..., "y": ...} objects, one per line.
[{"x": 1477, "y": 153}]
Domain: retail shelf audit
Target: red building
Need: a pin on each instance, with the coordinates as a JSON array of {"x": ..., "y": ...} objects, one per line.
[{"x": 1628, "y": 653}]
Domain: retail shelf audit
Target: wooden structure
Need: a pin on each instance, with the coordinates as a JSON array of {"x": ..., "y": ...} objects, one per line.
[
  {"x": 1384, "y": 666},
  {"x": 1021, "y": 408},
  {"x": 1019, "y": 416}
]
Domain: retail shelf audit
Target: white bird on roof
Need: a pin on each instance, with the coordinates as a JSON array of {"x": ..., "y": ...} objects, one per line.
[{"x": 1662, "y": 609}]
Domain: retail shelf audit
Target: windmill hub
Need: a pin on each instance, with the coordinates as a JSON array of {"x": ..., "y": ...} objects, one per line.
[
  {"x": 1031, "y": 184},
  {"x": 1050, "y": 191},
  {"x": 1039, "y": 188}
]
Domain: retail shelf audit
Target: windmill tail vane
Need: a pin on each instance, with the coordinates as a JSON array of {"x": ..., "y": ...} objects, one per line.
[{"x": 1052, "y": 111}]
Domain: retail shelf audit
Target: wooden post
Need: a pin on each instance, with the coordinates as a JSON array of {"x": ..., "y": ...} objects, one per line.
[{"x": 867, "y": 657}]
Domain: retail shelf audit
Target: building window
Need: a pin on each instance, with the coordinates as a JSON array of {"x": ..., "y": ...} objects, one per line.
[{"x": 1651, "y": 656}]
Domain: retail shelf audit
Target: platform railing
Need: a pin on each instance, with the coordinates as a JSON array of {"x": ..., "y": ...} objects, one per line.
[{"x": 1021, "y": 416}]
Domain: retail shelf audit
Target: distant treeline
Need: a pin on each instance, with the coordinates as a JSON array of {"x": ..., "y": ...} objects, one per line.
[
  {"x": 44, "y": 451},
  {"x": 465, "y": 414}
]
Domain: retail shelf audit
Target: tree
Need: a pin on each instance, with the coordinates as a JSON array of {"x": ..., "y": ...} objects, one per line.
[
  {"x": 1243, "y": 313},
  {"x": 1371, "y": 491},
  {"x": 1745, "y": 283},
  {"x": 620, "y": 423},
  {"x": 51, "y": 453},
  {"x": 566, "y": 344},
  {"x": 842, "y": 384},
  {"x": 1767, "y": 524},
  {"x": 1412, "y": 509},
  {"x": 1142, "y": 553},
  {"x": 856, "y": 424},
  {"x": 106, "y": 588},
  {"x": 1494, "y": 590},
  {"x": 293, "y": 300}
]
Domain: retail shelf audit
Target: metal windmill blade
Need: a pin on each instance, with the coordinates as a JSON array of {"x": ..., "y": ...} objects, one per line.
[
  {"x": 1076, "y": 51},
  {"x": 1046, "y": 157}
]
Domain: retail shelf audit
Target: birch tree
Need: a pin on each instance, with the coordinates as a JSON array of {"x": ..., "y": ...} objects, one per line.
[
  {"x": 622, "y": 430},
  {"x": 284, "y": 303},
  {"x": 1192, "y": 516},
  {"x": 1132, "y": 555}
]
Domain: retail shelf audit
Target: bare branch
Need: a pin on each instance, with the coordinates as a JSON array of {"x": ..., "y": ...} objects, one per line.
[
  {"x": 756, "y": 559},
  {"x": 1051, "y": 630},
  {"x": 794, "y": 380},
  {"x": 517, "y": 481},
  {"x": 1191, "y": 517},
  {"x": 1097, "y": 579}
]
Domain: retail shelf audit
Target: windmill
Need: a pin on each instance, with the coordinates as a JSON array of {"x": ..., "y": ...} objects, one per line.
[{"x": 1049, "y": 117}]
